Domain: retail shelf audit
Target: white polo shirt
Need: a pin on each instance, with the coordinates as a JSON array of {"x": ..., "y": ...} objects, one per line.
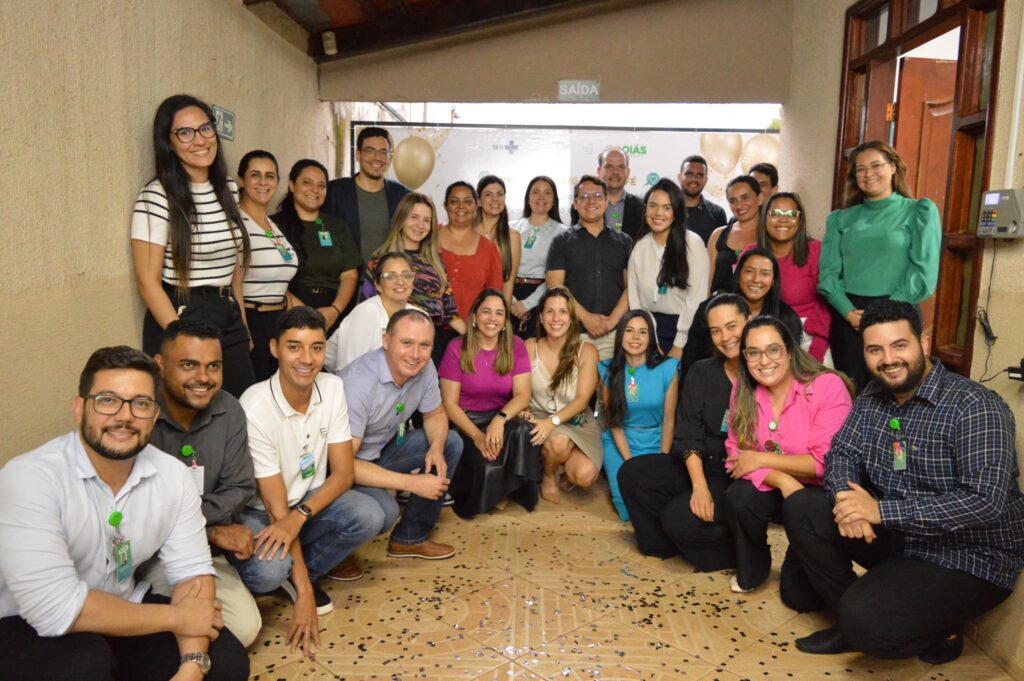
[
  {"x": 279, "y": 435},
  {"x": 56, "y": 543}
]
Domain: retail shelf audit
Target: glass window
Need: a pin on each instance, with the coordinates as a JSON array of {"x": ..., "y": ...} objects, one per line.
[
  {"x": 876, "y": 28},
  {"x": 919, "y": 10},
  {"x": 986, "y": 60}
]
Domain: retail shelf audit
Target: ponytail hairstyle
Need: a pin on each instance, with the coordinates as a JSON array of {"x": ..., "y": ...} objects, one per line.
[
  {"x": 553, "y": 213},
  {"x": 287, "y": 217}
]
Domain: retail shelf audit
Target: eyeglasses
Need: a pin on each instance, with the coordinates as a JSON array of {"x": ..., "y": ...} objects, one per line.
[
  {"x": 875, "y": 168},
  {"x": 392, "y": 277},
  {"x": 370, "y": 151},
  {"x": 110, "y": 405},
  {"x": 186, "y": 135},
  {"x": 792, "y": 214},
  {"x": 773, "y": 352},
  {"x": 586, "y": 196}
]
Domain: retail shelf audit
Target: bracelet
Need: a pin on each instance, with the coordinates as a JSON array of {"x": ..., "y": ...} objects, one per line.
[
  {"x": 336, "y": 309},
  {"x": 690, "y": 452}
]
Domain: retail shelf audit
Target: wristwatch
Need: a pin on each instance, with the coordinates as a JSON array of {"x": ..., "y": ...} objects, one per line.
[
  {"x": 555, "y": 421},
  {"x": 503, "y": 415},
  {"x": 201, "y": 659},
  {"x": 305, "y": 510}
]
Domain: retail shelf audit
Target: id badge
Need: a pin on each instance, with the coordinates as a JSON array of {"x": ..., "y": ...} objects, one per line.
[
  {"x": 401, "y": 432},
  {"x": 725, "y": 422},
  {"x": 632, "y": 390},
  {"x": 530, "y": 241},
  {"x": 123, "y": 558},
  {"x": 198, "y": 475},
  {"x": 325, "y": 238},
  {"x": 662, "y": 290},
  {"x": 899, "y": 455},
  {"x": 307, "y": 465}
]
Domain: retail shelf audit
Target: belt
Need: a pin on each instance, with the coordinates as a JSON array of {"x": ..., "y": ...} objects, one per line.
[
  {"x": 219, "y": 291},
  {"x": 317, "y": 289},
  {"x": 266, "y": 307},
  {"x": 532, "y": 282}
]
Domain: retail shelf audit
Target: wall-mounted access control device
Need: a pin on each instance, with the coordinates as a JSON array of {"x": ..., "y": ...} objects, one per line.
[{"x": 1000, "y": 216}]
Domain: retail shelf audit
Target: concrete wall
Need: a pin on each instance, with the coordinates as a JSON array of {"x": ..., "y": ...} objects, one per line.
[
  {"x": 81, "y": 81},
  {"x": 648, "y": 52}
]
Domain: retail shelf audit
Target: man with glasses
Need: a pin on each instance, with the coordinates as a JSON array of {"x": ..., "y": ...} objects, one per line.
[
  {"x": 78, "y": 516},
  {"x": 702, "y": 216},
  {"x": 590, "y": 260},
  {"x": 921, "y": 490},
  {"x": 368, "y": 200},
  {"x": 204, "y": 428},
  {"x": 625, "y": 211}
]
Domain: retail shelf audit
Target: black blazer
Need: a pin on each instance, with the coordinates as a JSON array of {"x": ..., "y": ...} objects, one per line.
[{"x": 342, "y": 202}]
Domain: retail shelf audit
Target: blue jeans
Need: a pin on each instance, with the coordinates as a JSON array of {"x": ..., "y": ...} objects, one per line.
[
  {"x": 327, "y": 538},
  {"x": 420, "y": 514}
]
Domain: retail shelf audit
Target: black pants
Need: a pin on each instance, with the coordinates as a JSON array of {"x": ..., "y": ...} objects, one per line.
[
  {"x": 846, "y": 343},
  {"x": 525, "y": 328},
  {"x": 666, "y": 330},
  {"x": 27, "y": 656},
  {"x": 207, "y": 303},
  {"x": 261, "y": 327},
  {"x": 477, "y": 485},
  {"x": 902, "y": 604},
  {"x": 656, "y": 490},
  {"x": 442, "y": 336}
]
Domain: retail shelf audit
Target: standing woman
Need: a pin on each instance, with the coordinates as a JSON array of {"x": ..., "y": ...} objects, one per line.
[
  {"x": 785, "y": 409},
  {"x": 363, "y": 329},
  {"x": 492, "y": 222},
  {"x": 639, "y": 392},
  {"x": 883, "y": 244},
  {"x": 329, "y": 259},
  {"x": 668, "y": 268},
  {"x": 563, "y": 378},
  {"x": 784, "y": 232},
  {"x": 472, "y": 262},
  {"x": 726, "y": 243},
  {"x": 485, "y": 384},
  {"x": 539, "y": 226},
  {"x": 189, "y": 247},
  {"x": 273, "y": 264},
  {"x": 414, "y": 232},
  {"x": 677, "y": 503}
]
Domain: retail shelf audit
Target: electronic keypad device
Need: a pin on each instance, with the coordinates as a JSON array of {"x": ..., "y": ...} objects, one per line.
[{"x": 1000, "y": 215}]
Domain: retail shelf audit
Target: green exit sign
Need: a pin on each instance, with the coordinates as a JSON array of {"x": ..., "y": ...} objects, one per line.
[{"x": 225, "y": 122}]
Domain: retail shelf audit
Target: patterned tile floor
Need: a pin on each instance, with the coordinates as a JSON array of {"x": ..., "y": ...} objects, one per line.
[{"x": 562, "y": 593}]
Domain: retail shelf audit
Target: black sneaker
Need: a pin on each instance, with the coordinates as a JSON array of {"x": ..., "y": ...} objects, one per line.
[
  {"x": 448, "y": 501},
  {"x": 323, "y": 601}
]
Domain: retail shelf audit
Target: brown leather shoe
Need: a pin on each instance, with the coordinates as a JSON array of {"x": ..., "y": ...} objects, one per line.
[
  {"x": 347, "y": 570},
  {"x": 428, "y": 550}
]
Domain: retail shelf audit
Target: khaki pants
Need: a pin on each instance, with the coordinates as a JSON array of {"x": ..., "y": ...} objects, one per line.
[{"x": 605, "y": 344}]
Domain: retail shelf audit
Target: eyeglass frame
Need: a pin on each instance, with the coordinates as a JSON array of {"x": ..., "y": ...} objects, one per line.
[
  {"x": 406, "y": 275},
  {"x": 586, "y": 196},
  {"x": 755, "y": 354},
  {"x": 177, "y": 132},
  {"x": 789, "y": 214},
  {"x": 373, "y": 151},
  {"x": 121, "y": 402},
  {"x": 861, "y": 171}
]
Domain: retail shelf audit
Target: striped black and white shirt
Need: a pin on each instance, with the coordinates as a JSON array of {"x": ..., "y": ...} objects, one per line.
[
  {"x": 215, "y": 243},
  {"x": 270, "y": 270}
]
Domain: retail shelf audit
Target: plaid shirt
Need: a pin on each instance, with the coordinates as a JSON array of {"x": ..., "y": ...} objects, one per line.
[{"x": 957, "y": 504}]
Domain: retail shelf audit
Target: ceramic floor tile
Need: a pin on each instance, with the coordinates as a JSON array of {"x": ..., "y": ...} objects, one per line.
[
  {"x": 973, "y": 665},
  {"x": 416, "y": 647},
  {"x": 513, "y": 616},
  {"x": 300, "y": 670},
  {"x": 510, "y": 672},
  {"x": 608, "y": 649}
]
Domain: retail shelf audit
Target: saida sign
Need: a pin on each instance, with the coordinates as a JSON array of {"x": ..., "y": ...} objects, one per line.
[{"x": 579, "y": 91}]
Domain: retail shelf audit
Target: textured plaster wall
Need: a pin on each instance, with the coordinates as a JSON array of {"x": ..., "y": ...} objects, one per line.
[
  {"x": 648, "y": 52},
  {"x": 81, "y": 81},
  {"x": 1001, "y": 632}
]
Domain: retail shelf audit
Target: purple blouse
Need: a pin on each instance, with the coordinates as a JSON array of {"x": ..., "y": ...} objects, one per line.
[{"x": 485, "y": 389}]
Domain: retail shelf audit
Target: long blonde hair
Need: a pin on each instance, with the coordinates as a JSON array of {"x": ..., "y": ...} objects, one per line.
[
  {"x": 430, "y": 247},
  {"x": 743, "y": 415},
  {"x": 471, "y": 341}
]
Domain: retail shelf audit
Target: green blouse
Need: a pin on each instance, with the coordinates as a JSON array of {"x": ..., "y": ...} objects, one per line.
[{"x": 888, "y": 247}]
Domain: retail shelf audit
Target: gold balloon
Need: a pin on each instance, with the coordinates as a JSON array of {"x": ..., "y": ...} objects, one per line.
[
  {"x": 722, "y": 150},
  {"x": 413, "y": 161},
  {"x": 761, "y": 148}
]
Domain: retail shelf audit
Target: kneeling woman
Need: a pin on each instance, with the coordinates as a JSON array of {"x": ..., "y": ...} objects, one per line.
[
  {"x": 785, "y": 409},
  {"x": 563, "y": 379},
  {"x": 485, "y": 383},
  {"x": 639, "y": 392},
  {"x": 677, "y": 502}
]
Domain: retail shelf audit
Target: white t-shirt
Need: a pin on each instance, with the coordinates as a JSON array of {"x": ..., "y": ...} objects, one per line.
[
  {"x": 279, "y": 436},
  {"x": 271, "y": 268},
  {"x": 215, "y": 245},
  {"x": 359, "y": 333}
]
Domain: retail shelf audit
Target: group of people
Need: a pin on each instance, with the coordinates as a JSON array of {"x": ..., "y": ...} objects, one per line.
[{"x": 308, "y": 371}]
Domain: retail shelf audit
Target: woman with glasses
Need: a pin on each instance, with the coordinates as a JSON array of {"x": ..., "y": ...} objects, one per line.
[
  {"x": 784, "y": 231},
  {"x": 414, "y": 232},
  {"x": 757, "y": 280},
  {"x": 784, "y": 411},
  {"x": 485, "y": 384},
  {"x": 677, "y": 502},
  {"x": 539, "y": 226},
  {"x": 668, "y": 267},
  {"x": 328, "y": 257},
  {"x": 639, "y": 393},
  {"x": 273, "y": 264},
  {"x": 472, "y": 262},
  {"x": 492, "y": 223},
  {"x": 362, "y": 330},
  {"x": 563, "y": 378},
  {"x": 883, "y": 244},
  {"x": 726, "y": 243},
  {"x": 189, "y": 246}
]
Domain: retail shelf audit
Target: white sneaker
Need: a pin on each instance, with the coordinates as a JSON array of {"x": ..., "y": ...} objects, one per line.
[{"x": 734, "y": 586}]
